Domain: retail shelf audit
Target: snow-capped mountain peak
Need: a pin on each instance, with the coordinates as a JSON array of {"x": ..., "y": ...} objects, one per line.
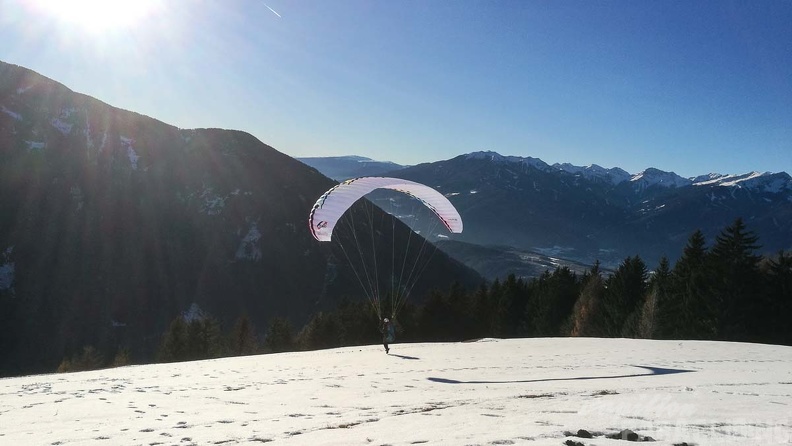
[
  {"x": 656, "y": 177},
  {"x": 759, "y": 181}
]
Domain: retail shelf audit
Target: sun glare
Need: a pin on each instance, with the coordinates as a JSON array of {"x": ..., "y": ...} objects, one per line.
[{"x": 98, "y": 15}]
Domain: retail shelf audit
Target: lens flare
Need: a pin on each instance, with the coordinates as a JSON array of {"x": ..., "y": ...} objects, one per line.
[{"x": 98, "y": 16}]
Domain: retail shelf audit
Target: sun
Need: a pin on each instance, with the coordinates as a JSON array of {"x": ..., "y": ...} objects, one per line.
[{"x": 98, "y": 16}]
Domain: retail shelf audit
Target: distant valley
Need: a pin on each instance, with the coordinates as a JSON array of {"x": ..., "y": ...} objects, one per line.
[{"x": 580, "y": 215}]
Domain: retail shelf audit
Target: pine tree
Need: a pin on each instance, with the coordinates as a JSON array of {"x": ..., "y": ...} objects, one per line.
[
  {"x": 204, "y": 339},
  {"x": 243, "y": 338},
  {"x": 324, "y": 330},
  {"x": 174, "y": 342},
  {"x": 778, "y": 273},
  {"x": 481, "y": 308},
  {"x": 359, "y": 321},
  {"x": 188, "y": 341},
  {"x": 459, "y": 306},
  {"x": 435, "y": 320},
  {"x": 688, "y": 311},
  {"x": 280, "y": 335},
  {"x": 736, "y": 283},
  {"x": 586, "y": 319},
  {"x": 624, "y": 295},
  {"x": 514, "y": 299},
  {"x": 658, "y": 292},
  {"x": 497, "y": 310},
  {"x": 121, "y": 358},
  {"x": 552, "y": 301}
]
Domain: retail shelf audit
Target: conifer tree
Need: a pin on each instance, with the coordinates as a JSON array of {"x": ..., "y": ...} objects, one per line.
[
  {"x": 552, "y": 301},
  {"x": 324, "y": 330},
  {"x": 482, "y": 309},
  {"x": 497, "y": 310},
  {"x": 658, "y": 292},
  {"x": 359, "y": 322},
  {"x": 243, "y": 337},
  {"x": 736, "y": 283},
  {"x": 88, "y": 359},
  {"x": 585, "y": 319},
  {"x": 514, "y": 298},
  {"x": 280, "y": 335},
  {"x": 204, "y": 339},
  {"x": 174, "y": 343},
  {"x": 434, "y": 319},
  {"x": 121, "y": 358},
  {"x": 624, "y": 294},
  {"x": 688, "y": 312},
  {"x": 779, "y": 290},
  {"x": 199, "y": 338}
]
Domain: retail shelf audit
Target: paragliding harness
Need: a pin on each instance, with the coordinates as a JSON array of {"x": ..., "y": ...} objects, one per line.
[{"x": 388, "y": 331}]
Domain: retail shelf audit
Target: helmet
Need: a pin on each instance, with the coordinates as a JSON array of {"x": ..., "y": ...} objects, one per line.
[{"x": 385, "y": 320}]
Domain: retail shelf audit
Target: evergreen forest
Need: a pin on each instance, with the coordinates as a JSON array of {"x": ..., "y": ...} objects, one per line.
[{"x": 718, "y": 291}]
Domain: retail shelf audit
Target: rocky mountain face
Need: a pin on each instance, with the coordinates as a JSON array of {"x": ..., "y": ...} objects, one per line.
[
  {"x": 528, "y": 216},
  {"x": 113, "y": 223}
]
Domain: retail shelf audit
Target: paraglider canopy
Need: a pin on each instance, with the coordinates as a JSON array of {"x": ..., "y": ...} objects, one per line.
[
  {"x": 333, "y": 203},
  {"x": 407, "y": 260}
]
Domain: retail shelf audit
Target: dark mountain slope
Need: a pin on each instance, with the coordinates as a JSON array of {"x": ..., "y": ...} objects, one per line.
[{"x": 113, "y": 223}]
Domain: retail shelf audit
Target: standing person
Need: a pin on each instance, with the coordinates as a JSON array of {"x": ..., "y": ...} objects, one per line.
[{"x": 388, "y": 333}]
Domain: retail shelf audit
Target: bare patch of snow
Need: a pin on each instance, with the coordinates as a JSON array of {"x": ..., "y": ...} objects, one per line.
[
  {"x": 212, "y": 204},
  {"x": 35, "y": 145},
  {"x": 127, "y": 143},
  {"x": 10, "y": 113},
  {"x": 62, "y": 121},
  {"x": 194, "y": 313},
  {"x": 248, "y": 247}
]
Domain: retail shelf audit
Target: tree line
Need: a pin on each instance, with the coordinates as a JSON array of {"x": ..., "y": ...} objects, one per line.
[{"x": 722, "y": 292}]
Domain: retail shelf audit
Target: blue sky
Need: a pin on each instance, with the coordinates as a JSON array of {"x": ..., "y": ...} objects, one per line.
[{"x": 686, "y": 86}]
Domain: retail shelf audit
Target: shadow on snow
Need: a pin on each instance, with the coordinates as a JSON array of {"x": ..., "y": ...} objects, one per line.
[
  {"x": 652, "y": 371},
  {"x": 403, "y": 356}
]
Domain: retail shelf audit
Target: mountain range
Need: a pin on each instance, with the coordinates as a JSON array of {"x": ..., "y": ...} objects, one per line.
[
  {"x": 580, "y": 215},
  {"x": 112, "y": 224}
]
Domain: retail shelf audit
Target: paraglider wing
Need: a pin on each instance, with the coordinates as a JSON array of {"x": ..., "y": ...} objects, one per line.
[{"x": 333, "y": 203}]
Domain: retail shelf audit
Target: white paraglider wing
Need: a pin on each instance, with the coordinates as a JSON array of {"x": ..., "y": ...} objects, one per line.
[{"x": 332, "y": 204}]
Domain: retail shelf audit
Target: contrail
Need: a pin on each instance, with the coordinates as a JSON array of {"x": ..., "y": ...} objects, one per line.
[{"x": 273, "y": 11}]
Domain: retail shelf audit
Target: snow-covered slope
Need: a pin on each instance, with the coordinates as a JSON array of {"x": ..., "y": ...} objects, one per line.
[{"x": 490, "y": 392}]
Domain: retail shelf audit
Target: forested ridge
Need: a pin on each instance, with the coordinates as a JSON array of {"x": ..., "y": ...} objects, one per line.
[{"x": 722, "y": 291}]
